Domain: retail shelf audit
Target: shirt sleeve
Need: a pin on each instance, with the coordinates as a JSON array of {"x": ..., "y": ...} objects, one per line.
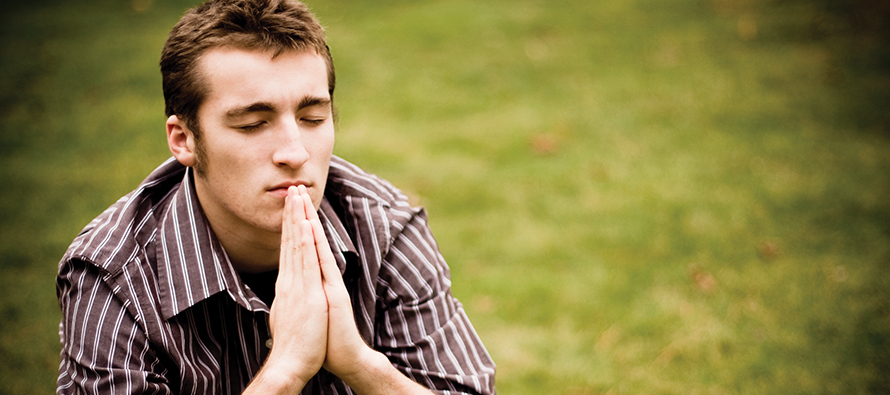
[
  {"x": 421, "y": 327},
  {"x": 104, "y": 350}
]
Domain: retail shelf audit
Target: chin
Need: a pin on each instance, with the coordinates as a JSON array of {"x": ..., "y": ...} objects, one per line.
[{"x": 271, "y": 224}]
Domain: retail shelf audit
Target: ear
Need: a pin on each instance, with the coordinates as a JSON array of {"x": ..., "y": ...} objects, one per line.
[{"x": 181, "y": 141}]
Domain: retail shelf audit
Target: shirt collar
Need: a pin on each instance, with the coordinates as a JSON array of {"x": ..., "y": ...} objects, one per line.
[{"x": 341, "y": 244}]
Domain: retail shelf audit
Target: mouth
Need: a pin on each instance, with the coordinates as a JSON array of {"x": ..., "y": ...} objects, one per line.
[{"x": 280, "y": 190}]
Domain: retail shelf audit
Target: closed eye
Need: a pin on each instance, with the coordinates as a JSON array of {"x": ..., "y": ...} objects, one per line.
[
  {"x": 313, "y": 121},
  {"x": 252, "y": 127}
]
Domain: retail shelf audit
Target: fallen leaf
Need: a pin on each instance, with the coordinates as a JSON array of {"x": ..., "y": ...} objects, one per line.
[
  {"x": 703, "y": 280},
  {"x": 544, "y": 144},
  {"x": 768, "y": 250}
]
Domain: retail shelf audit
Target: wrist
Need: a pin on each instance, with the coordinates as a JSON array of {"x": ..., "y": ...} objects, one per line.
[
  {"x": 375, "y": 374},
  {"x": 368, "y": 367},
  {"x": 273, "y": 379},
  {"x": 281, "y": 374}
]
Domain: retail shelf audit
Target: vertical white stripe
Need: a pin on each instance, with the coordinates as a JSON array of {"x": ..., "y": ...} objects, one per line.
[
  {"x": 197, "y": 244},
  {"x": 363, "y": 255},
  {"x": 112, "y": 352},
  {"x": 182, "y": 263},
  {"x": 81, "y": 329},
  {"x": 165, "y": 250}
]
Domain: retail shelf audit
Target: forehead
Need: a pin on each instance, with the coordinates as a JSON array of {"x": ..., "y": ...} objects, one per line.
[{"x": 231, "y": 76}]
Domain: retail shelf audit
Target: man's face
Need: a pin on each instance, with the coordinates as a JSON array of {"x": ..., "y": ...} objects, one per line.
[{"x": 266, "y": 123}]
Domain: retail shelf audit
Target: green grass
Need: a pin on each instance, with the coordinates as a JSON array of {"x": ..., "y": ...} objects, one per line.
[{"x": 634, "y": 196}]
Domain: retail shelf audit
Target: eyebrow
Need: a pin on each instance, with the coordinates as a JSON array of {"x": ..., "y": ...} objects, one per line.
[
  {"x": 238, "y": 112},
  {"x": 312, "y": 101},
  {"x": 306, "y": 101}
]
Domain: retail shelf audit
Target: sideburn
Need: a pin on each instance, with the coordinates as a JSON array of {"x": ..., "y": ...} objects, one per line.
[{"x": 200, "y": 166}]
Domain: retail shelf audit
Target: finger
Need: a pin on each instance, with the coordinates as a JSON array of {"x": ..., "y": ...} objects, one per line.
[
  {"x": 307, "y": 202},
  {"x": 327, "y": 262},
  {"x": 329, "y": 270},
  {"x": 286, "y": 237},
  {"x": 290, "y": 266},
  {"x": 311, "y": 271},
  {"x": 285, "y": 233},
  {"x": 321, "y": 240}
]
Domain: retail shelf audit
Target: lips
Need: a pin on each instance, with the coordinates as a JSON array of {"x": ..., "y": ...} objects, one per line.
[{"x": 280, "y": 190}]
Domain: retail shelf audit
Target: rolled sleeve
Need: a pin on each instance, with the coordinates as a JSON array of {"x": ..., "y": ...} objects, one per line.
[{"x": 422, "y": 328}]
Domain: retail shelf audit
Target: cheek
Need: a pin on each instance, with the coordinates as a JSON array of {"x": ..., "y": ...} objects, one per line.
[
  {"x": 233, "y": 164},
  {"x": 236, "y": 151},
  {"x": 322, "y": 145}
]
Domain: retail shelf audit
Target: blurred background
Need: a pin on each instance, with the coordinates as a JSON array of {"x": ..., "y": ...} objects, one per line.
[{"x": 634, "y": 196}]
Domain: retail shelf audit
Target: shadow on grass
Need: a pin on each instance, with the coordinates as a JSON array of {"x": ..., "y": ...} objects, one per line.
[{"x": 857, "y": 35}]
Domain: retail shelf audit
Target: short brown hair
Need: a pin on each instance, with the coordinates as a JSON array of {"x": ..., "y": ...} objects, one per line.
[{"x": 274, "y": 25}]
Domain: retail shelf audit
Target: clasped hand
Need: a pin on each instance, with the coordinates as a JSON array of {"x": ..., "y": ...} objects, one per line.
[{"x": 311, "y": 317}]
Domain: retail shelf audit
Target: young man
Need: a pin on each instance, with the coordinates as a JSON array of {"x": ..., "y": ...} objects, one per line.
[{"x": 256, "y": 261}]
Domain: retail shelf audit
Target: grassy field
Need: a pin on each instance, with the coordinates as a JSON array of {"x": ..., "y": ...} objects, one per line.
[{"x": 634, "y": 196}]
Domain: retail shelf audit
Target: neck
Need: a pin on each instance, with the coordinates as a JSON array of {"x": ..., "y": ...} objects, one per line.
[{"x": 253, "y": 255}]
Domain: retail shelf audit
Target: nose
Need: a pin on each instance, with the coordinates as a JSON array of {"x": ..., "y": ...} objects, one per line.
[{"x": 290, "y": 150}]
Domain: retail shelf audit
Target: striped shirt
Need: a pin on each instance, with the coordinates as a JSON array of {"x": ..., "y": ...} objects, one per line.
[{"x": 151, "y": 304}]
